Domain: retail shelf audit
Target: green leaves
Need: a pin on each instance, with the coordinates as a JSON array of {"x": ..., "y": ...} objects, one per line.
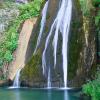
[
  {"x": 97, "y": 19},
  {"x": 93, "y": 88},
  {"x": 96, "y": 1},
  {"x": 11, "y": 45},
  {"x": 86, "y": 6},
  {"x": 30, "y": 9},
  {"x": 8, "y": 56},
  {"x": 87, "y": 88}
]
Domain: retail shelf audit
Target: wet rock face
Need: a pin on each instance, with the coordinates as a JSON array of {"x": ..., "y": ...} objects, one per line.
[
  {"x": 5, "y": 83},
  {"x": 31, "y": 74},
  {"x": 82, "y": 50}
]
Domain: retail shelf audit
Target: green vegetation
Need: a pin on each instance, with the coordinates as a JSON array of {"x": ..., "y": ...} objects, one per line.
[
  {"x": 86, "y": 7},
  {"x": 75, "y": 46},
  {"x": 93, "y": 88},
  {"x": 95, "y": 2},
  {"x": 30, "y": 10},
  {"x": 97, "y": 19},
  {"x": 10, "y": 40},
  {"x": 97, "y": 24}
]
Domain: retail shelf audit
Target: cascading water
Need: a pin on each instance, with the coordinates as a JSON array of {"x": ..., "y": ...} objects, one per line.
[
  {"x": 44, "y": 12},
  {"x": 49, "y": 79},
  {"x": 62, "y": 24},
  {"x": 16, "y": 83},
  {"x": 66, "y": 28}
]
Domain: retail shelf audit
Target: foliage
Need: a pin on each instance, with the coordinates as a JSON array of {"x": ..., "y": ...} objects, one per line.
[
  {"x": 75, "y": 46},
  {"x": 96, "y": 2},
  {"x": 93, "y": 88},
  {"x": 86, "y": 6},
  {"x": 8, "y": 56},
  {"x": 97, "y": 19},
  {"x": 97, "y": 23},
  {"x": 10, "y": 40},
  {"x": 31, "y": 9}
]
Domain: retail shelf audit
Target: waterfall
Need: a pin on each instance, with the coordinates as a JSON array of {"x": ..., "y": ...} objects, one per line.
[
  {"x": 16, "y": 83},
  {"x": 49, "y": 79},
  {"x": 66, "y": 28},
  {"x": 43, "y": 20},
  {"x": 61, "y": 25}
]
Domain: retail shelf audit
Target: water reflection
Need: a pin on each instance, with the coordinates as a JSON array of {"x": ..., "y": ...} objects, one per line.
[
  {"x": 66, "y": 96},
  {"x": 37, "y": 94},
  {"x": 15, "y": 95},
  {"x": 49, "y": 95}
]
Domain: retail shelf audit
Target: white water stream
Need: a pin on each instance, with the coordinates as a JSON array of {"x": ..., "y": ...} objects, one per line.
[
  {"x": 49, "y": 79},
  {"x": 16, "y": 83},
  {"x": 43, "y": 20},
  {"x": 60, "y": 24}
]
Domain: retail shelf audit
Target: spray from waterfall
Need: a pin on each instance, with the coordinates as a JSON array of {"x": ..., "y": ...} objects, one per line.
[
  {"x": 16, "y": 83},
  {"x": 43, "y": 20},
  {"x": 49, "y": 79}
]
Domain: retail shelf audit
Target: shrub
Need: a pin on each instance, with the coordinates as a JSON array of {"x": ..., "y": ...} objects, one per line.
[
  {"x": 93, "y": 88},
  {"x": 8, "y": 56}
]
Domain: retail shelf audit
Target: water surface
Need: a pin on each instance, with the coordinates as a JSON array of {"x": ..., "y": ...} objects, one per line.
[{"x": 37, "y": 94}]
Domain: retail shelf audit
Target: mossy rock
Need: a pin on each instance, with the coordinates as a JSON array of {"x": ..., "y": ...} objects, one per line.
[
  {"x": 32, "y": 72},
  {"x": 76, "y": 37}
]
